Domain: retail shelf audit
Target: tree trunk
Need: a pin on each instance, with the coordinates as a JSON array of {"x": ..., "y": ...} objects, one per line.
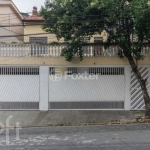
[{"x": 142, "y": 82}]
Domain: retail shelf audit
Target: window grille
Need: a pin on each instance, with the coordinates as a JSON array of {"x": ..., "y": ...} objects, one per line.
[
  {"x": 107, "y": 70},
  {"x": 85, "y": 49},
  {"x": 72, "y": 70},
  {"x": 98, "y": 49},
  {"x": 52, "y": 71},
  {"x": 19, "y": 70},
  {"x": 38, "y": 49},
  {"x": 98, "y": 39},
  {"x": 38, "y": 40},
  {"x": 19, "y": 105},
  {"x": 86, "y": 105},
  {"x": 85, "y": 39}
]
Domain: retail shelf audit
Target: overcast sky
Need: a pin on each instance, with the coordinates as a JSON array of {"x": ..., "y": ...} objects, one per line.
[{"x": 27, "y": 5}]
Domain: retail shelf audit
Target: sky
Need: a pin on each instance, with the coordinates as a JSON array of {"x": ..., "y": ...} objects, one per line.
[{"x": 27, "y": 5}]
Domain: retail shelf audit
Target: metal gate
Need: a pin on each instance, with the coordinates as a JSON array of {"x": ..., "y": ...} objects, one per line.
[
  {"x": 19, "y": 88},
  {"x": 137, "y": 101},
  {"x": 105, "y": 91}
]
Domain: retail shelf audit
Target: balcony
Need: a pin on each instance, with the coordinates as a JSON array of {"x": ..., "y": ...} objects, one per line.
[{"x": 37, "y": 50}]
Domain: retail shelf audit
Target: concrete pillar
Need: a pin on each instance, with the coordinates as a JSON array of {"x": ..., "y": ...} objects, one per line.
[
  {"x": 149, "y": 80},
  {"x": 127, "y": 104},
  {"x": 44, "y": 82}
]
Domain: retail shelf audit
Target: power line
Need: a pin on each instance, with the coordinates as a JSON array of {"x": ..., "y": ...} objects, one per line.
[
  {"x": 15, "y": 25},
  {"x": 16, "y": 13},
  {"x": 11, "y": 39},
  {"x": 8, "y": 19},
  {"x": 51, "y": 23},
  {"x": 84, "y": 17},
  {"x": 9, "y": 30},
  {"x": 24, "y": 20},
  {"x": 24, "y": 35},
  {"x": 82, "y": 30},
  {"x": 102, "y": 15},
  {"x": 9, "y": 15},
  {"x": 52, "y": 16},
  {"x": 48, "y": 33},
  {"x": 20, "y": 34}
]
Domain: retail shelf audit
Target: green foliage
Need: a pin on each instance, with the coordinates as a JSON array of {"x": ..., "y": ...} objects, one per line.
[
  {"x": 75, "y": 47},
  {"x": 126, "y": 22}
]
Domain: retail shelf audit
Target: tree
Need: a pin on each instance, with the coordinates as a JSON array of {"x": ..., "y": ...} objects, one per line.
[
  {"x": 127, "y": 23},
  {"x": 72, "y": 19}
]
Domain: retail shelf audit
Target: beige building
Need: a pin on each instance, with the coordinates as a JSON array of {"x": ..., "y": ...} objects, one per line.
[
  {"x": 10, "y": 16},
  {"x": 33, "y": 28}
]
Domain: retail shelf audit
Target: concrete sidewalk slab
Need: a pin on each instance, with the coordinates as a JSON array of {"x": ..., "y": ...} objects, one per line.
[{"x": 55, "y": 117}]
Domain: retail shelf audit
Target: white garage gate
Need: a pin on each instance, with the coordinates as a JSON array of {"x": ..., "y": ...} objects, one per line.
[
  {"x": 19, "y": 88},
  {"x": 105, "y": 91}
]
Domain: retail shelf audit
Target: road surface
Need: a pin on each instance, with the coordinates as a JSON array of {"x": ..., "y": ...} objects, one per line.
[{"x": 116, "y": 137}]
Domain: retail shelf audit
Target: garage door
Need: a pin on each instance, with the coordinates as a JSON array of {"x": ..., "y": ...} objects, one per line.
[
  {"x": 19, "y": 88},
  {"x": 87, "y": 88}
]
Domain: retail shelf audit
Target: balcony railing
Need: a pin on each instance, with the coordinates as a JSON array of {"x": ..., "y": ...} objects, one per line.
[{"x": 36, "y": 50}]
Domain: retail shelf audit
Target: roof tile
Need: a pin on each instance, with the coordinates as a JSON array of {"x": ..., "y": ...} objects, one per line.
[{"x": 35, "y": 18}]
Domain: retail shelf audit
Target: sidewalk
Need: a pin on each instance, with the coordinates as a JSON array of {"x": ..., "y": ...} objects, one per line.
[{"x": 60, "y": 117}]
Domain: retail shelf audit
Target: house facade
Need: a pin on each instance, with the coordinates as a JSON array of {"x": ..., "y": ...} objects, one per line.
[
  {"x": 30, "y": 81},
  {"x": 34, "y": 76}
]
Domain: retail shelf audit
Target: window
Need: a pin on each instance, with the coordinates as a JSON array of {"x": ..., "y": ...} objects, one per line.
[
  {"x": 38, "y": 40},
  {"x": 98, "y": 50},
  {"x": 98, "y": 39},
  {"x": 38, "y": 49},
  {"x": 85, "y": 39},
  {"x": 86, "y": 49}
]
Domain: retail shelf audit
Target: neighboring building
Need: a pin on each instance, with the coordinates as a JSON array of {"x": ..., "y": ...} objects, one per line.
[
  {"x": 44, "y": 37},
  {"x": 10, "y": 15},
  {"x": 5, "y": 32},
  {"x": 24, "y": 15},
  {"x": 33, "y": 28}
]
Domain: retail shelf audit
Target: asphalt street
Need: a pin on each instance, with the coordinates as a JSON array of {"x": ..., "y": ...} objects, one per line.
[{"x": 114, "y": 137}]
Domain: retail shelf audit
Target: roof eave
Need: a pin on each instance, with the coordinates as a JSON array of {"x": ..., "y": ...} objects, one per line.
[{"x": 24, "y": 20}]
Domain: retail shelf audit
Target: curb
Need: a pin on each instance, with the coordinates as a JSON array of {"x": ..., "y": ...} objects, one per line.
[{"x": 138, "y": 121}]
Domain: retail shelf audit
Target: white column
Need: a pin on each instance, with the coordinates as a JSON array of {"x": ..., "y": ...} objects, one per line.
[
  {"x": 44, "y": 82},
  {"x": 127, "y": 104},
  {"x": 149, "y": 80}
]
